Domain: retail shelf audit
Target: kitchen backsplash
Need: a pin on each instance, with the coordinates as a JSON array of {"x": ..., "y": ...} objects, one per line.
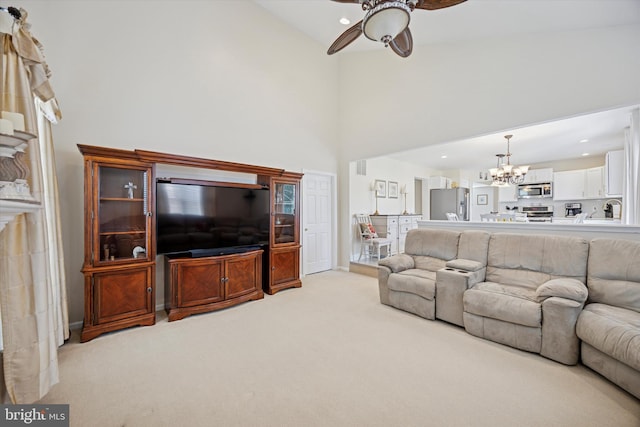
[{"x": 558, "y": 207}]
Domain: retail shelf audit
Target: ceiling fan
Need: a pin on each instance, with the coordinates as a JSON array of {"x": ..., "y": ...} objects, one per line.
[{"x": 387, "y": 21}]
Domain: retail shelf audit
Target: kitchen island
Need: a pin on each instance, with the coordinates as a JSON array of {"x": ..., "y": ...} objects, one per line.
[{"x": 589, "y": 231}]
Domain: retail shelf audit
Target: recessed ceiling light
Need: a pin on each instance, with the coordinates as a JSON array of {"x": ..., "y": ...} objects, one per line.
[
  {"x": 584, "y": 140},
  {"x": 585, "y": 154},
  {"x": 444, "y": 156},
  {"x": 345, "y": 21}
]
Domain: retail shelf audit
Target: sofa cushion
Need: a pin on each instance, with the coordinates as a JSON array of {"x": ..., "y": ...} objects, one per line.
[
  {"x": 429, "y": 263},
  {"x": 530, "y": 260},
  {"x": 473, "y": 246},
  {"x": 518, "y": 277},
  {"x": 509, "y": 303},
  {"x": 414, "y": 281},
  {"x": 614, "y": 276},
  {"x": 612, "y": 330},
  {"x": 441, "y": 244}
]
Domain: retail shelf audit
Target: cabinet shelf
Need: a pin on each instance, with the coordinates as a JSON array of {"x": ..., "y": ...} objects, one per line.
[
  {"x": 109, "y": 233},
  {"x": 119, "y": 199}
]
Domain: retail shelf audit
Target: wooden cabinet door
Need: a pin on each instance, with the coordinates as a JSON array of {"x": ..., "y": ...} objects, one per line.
[
  {"x": 285, "y": 207},
  {"x": 121, "y": 219},
  {"x": 200, "y": 282},
  {"x": 243, "y": 275},
  {"x": 284, "y": 266},
  {"x": 122, "y": 294}
]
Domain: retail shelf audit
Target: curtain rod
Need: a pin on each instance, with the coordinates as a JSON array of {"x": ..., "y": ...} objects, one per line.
[{"x": 11, "y": 11}]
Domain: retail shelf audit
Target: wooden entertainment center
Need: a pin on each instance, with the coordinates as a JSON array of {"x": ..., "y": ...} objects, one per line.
[{"x": 120, "y": 244}]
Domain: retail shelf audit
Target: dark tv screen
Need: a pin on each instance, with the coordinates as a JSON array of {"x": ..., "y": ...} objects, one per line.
[{"x": 194, "y": 216}]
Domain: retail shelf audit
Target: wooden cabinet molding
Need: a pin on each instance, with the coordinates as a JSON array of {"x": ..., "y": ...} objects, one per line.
[{"x": 200, "y": 285}]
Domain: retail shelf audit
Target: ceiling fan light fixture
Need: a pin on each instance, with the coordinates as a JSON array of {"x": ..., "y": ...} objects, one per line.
[{"x": 386, "y": 20}]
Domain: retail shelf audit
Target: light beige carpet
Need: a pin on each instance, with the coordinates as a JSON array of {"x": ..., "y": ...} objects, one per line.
[{"x": 327, "y": 354}]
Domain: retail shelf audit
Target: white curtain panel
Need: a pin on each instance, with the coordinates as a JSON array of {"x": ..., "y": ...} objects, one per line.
[
  {"x": 58, "y": 311},
  {"x": 32, "y": 287},
  {"x": 631, "y": 186}
]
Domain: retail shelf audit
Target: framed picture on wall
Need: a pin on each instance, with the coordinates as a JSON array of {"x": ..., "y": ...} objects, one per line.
[
  {"x": 381, "y": 188},
  {"x": 393, "y": 190},
  {"x": 483, "y": 199}
]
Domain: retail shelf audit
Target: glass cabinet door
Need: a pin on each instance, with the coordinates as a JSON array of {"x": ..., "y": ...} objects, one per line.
[
  {"x": 285, "y": 213},
  {"x": 122, "y": 214}
]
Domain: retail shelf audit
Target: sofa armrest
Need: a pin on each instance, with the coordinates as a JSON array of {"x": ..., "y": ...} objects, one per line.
[
  {"x": 383, "y": 284},
  {"x": 566, "y": 288},
  {"x": 397, "y": 263},
  {"x": 451, "y": 285},
  {"x": 465, "y": 264},
  {"x": 559, "y": 339}
]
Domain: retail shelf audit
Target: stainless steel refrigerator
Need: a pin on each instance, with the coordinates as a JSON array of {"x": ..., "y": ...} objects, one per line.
[{"x": 453, "y": 200}]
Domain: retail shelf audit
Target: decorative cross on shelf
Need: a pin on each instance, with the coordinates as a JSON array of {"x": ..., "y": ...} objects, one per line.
[{"x": 130, "y": 187}]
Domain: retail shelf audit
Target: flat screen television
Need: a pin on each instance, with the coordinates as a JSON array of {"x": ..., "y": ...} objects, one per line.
[{"x": 198, "y": 218}]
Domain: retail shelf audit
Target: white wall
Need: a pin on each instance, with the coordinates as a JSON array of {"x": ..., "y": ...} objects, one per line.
[
  {"x": 187, "y": 77},
  {"x": 362, "y": 199},
  {"x": 195, "y": 78},
  {"x": 476, "y": 209},
  {"x": 450, "y": 92}
]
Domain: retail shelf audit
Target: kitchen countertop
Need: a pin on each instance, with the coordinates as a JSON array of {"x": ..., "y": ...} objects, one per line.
[
  {"x": 608, "y": 229},
  {"x": 596, "y": 220}
]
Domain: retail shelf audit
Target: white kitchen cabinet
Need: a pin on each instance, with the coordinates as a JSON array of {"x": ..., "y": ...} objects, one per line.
[
  {"x": 439, "y": 182},
  {"x": 507, "y": 194},
  {"x": 535, "y": 176},
  {"x": 614, "y": 173},
  {"x": 594, "y": 184},
  {"x": 579, "y": 184},
  {"x": 395, "y": 228},
  {"x": 569, "y": 185},
  {"x": 406, "y": 223}
]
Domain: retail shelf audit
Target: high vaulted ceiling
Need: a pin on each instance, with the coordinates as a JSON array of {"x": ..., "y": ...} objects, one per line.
[
  {"x": 473, "y": 19},
  {"x": 476, "y": 19}
]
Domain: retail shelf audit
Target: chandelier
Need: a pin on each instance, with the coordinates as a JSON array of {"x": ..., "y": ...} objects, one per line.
[{"x": 505, "y": 173}]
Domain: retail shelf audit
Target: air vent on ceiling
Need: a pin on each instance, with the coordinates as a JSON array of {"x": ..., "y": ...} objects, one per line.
[{"x": 361, "y": 167}]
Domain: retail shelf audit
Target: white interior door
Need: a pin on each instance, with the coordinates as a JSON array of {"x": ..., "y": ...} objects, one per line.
[{"x": 317, "y": 222}]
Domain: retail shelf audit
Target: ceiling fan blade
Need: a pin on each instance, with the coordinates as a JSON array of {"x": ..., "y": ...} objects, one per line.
[
  {"x": 403, "y": 43},
  {"x": 436, "y": 4},
  {"x": 345, "y": 38}
]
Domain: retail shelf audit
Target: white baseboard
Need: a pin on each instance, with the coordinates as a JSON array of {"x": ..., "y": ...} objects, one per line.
[{"x": 76, "y": 325}]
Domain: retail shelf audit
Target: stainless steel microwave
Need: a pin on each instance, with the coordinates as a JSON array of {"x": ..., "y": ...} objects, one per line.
[{"x": 535, "y": 191}]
